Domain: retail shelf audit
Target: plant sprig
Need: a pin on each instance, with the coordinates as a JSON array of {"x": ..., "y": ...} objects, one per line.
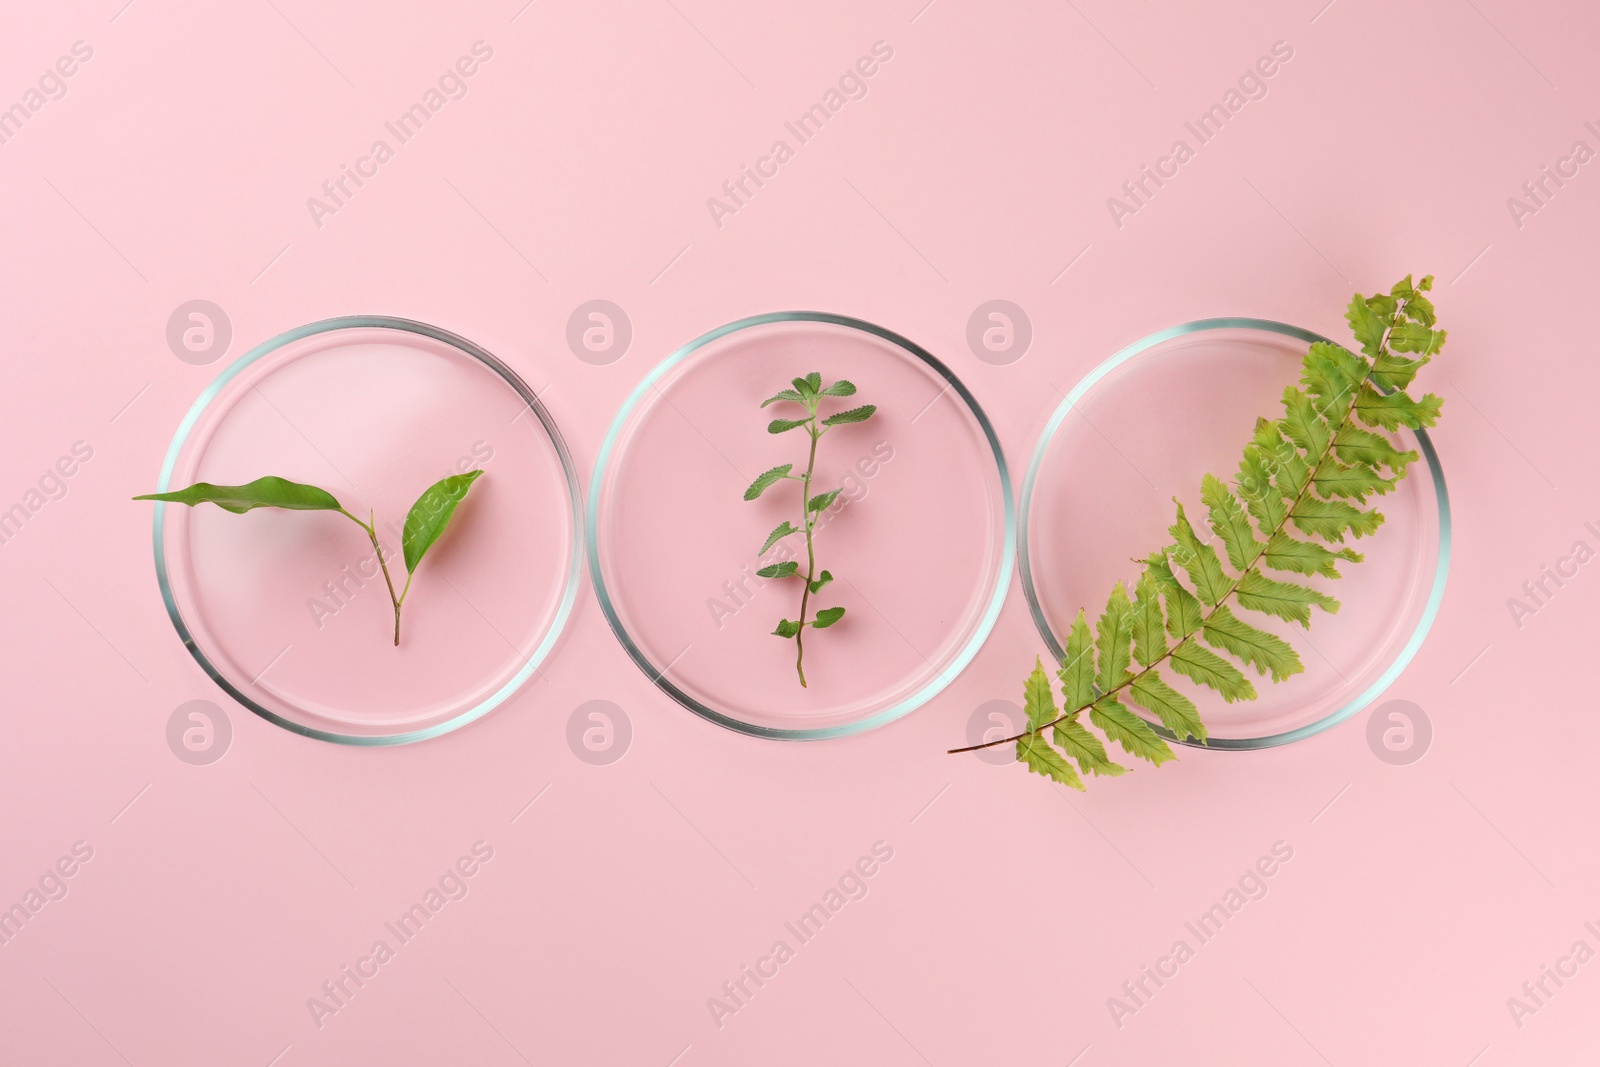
[
  {"x": 808, "y": 392},
  {"x": 425, "y": 522},
  {"x": 1307, "y": 474}
]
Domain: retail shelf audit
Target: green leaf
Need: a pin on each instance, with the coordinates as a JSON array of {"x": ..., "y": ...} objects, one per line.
[
  {"x": 1199, "y": 560},
  {"x": 787, "y": 569},
  {"x": 1395, "y": 372},
  {"x": 1176, "y": 711},
  {"x": 268, "y": 492},
  {"x": 1183, "y": 609},
  {"x": 767, "y": 478},
  {"x": 1395, "y": 410},
  {"x": 1040, "y": 758},
  {"x": 1334, "y": 479},
  {"x": 1205, "y": 667},
  {"x": 1417, "y": 338},
  {"x": 782, "y": 530},
  {"x": 1076, "y": 741},
  {"x": 1332, "y": 519},
  {"x": 1366, "y": 324},
  {"x": 1261, "y": 497},
  {"x": 821, "y": 580},
  {"x": 1038, "y": 700},
  {"x": 1267, "y": 653},
  {"x": 1306, "y": 426},
  {"x": 1077, "y": 666},
  {"x": 1113, "y": 640},
  {"x": 1286, "y": 553},
  {"x": 808, "y": 386},
  {"x": 840, "y": 388},
  {"x": 1355, "y": 445},
  {"x": 1149, "y": 622},
  {"x": 785, "y": 425},
  {"x": 860, "y": 414},
  {"x": 822, "y": 501},
  {"x": 431, "y": 515},
  {"x": 786, "y": 628},
  {"x": 787, "y": 394},
  {"x": 1287, "y": 600},
  {"x": 827, "y": 617},
  {"x": 1230, "y": 523},
  {"x": 1129, "y": 731}
]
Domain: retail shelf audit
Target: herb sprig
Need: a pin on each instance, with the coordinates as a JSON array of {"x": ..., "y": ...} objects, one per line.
[
  {"x": 809, "y": 393},
  {"x": 1305, "y": 473},
  {"x": 425, "y": 522}
]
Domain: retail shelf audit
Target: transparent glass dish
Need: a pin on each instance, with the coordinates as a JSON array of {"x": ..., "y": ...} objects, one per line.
[
  {"x": 1143, "y": 428},
  {"x": 921, "y": 546},
  {"x": 287, "y": 610}
]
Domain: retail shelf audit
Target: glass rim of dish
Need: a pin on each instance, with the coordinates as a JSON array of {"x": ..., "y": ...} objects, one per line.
[
  {"x": 607, "y": 458},
  {"x": 574, "y": 565},
  {"x": 1372, "y": 691}
]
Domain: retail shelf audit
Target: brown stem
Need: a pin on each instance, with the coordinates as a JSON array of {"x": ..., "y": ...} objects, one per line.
[
  {"x": 811, "y": 552},
  {"x": 371, "y": 529},
  {"x": 1254, "y": 563}
]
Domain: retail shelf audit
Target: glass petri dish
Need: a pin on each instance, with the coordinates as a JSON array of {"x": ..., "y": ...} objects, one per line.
[
  {"x": 921, "y": 543},
  {"x": 1143, "y": 428},
  {"x": 287, "y": 611}
]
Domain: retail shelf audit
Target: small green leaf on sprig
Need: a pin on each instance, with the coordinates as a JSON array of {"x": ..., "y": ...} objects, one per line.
[{"x": 425, "y": 523}]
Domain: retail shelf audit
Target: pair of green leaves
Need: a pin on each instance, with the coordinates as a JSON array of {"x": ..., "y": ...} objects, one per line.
[
  {"x": 1301, "y": 490},
  {"x": 425, "y": 523}
]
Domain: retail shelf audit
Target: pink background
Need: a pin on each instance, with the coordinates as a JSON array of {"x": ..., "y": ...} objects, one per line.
[{"x": 219, "y": 898}]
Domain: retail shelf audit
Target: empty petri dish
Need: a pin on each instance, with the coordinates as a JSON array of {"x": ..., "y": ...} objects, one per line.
[
  {"x": 919, "y": 540},
  {"x": 287, "y": 611},
  {"x": 1142, "y": 429}
]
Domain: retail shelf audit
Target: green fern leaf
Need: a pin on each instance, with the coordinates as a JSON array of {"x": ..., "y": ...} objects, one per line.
[
  {"x": 1334, "y": 479},
  {"x": 1176, "y": 711},
  {"x": 1306, "y": 426},
  {"x": 1395, "y": 372},
  {"x": 1286, "y": 553},
  {"x": 1199, "y": 560},
  {"x": 1332, "y": 519},
  {"x": 1230, "y": 523},
  {"x": 1076, "y": 741},
  {"x": 1302, "y": 485},
  {"x": 1204, "y": 666},
  {"x": 1077, "y": 665},
  {"x": 1149, "y": 623},
  {"x": 1038, "y": 700},
  {"x": 1394, "y": 410},
  {"x": 1040, "y": 758},
  {"x": 1286, "y": 600},
  {"x": 1113, "y": 640},
  {"x": 1129, "y": 731},
  {"x": 1184, "y": 612},
  {"x": 1355, "y": 445},
  {"x": 1267, "y": 653}
]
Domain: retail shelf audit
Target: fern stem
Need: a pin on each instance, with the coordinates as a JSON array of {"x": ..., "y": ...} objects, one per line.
[{"x": 1289, "y": 515}]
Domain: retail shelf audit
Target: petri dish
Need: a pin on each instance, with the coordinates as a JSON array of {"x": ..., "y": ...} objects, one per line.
[
  {"x": 920, "y": 541},
  {"x": 287, "y": 611},
  {"x": 1144, "y": 427}
]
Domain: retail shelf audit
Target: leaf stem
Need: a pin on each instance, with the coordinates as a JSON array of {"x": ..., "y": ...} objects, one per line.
[
  {"x": 371, "y": 529},
  {"x": 811, "y": 551},
  {"x": 1288, "y": 516}
]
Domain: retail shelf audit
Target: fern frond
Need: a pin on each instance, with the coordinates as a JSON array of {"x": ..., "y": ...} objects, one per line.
[{"x": 1300, "y": 491}]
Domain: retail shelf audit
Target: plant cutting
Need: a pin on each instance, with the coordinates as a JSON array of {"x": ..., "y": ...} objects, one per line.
[
  {"x": 425, "y": 522},
  {"x": 1300, "y": 490},
  {"x": 809, "y": 393}
]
